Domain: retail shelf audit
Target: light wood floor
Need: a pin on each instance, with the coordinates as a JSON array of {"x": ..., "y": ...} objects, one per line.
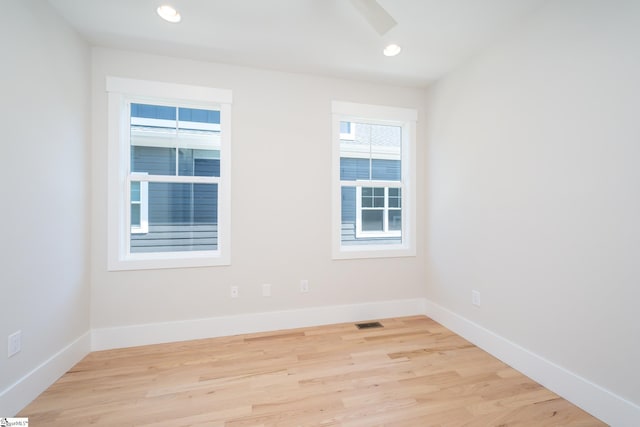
[{"x": 411, "y": 372}]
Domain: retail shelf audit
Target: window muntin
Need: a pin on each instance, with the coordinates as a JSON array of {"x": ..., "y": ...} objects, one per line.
[
  {"x": 169, "y": 184},
  {"x": 374, "y": 176}
]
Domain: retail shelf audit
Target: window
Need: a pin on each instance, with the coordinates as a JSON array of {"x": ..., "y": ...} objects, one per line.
[
  {"x": 169, "y": 157},
  {"x": 346, "y": 130},
  {"x": 378, "y": 212},
  {"x": 374, "y": 181},
  {"x": 139, "y": 206}
]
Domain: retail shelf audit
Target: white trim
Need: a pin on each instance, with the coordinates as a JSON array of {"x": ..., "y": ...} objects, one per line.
[
  {"x": 372, "y": 183},
  {"x": 376, "y": 113},
  {"x": 19, "y": 394},
  {"x": 156, "y": 138},
  {"x": 183, "y": 125},
  {"x": 156, "y": 333},
  {"x": 361, "y": 151},
  {"x": 601, "y": 403},
  {"x": 173, "y": 91}
]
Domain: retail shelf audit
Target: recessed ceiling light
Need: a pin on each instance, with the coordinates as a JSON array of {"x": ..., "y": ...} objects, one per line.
[
  {"x": 392, "y": 50},
  {"x": 169, "y": 14}
]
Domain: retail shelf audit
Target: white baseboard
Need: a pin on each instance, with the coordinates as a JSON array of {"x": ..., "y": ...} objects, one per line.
[
  {"x": 601, "y": 403},
  {"x": 156, "y": 333},
  {"x": 18, "y": 395}
]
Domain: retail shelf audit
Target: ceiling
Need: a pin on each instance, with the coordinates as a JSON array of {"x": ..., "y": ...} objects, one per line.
[{"x": 324, "y": 37}]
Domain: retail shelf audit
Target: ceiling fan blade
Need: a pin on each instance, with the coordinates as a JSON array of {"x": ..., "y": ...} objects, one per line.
[{"x": 375, "y": 14}]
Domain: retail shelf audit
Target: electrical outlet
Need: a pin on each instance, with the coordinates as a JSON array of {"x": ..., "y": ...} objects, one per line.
[
  {"x": 475, "y": 298},
  {"x": 234, "y": 292},
  {"x": 304, "y": 285},
  {"x": 14, "y": 343},
  {"x": 266, "y": 290}
]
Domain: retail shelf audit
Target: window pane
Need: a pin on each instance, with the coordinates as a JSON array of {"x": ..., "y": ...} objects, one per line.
[
  {"x": 135, "y": 191},
  {"x": 348, "y": 214},
  {"x": 194, "y": 118},
  {"x": 385, "y": 170},
  {"x": 157, "y": 112},
  {"x": 152, "y": 126},
  {"x": 135, "y": 215},
  {"x": 199, "y": 162},
  {"x": 159, "y": 133},
  {"x": 182, "y": 217},
  {"x": 395, "y": 198},
  {"x": 199, "y": 142},
  {"x": 345, "y": 127},
  {"x": 395, "y": 219},
  {"x": 374, "y": 153},
  {"x": 372, "y": 220},
  {"x": 153, "y": 160},
  {"x": 378, "y": 197}
]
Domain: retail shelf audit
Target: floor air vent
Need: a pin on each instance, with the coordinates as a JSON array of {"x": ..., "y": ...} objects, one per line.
[{"x": 369, "y": 325}]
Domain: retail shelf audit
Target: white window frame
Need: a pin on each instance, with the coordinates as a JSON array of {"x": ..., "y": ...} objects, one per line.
[
  {"x": 121, "y": 92},
  {"x": 406, "y": 118},
  {"x": 144, "y": 206}
]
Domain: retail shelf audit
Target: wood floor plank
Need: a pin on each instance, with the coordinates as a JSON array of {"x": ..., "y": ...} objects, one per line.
[{"x": 410, "y": 372}]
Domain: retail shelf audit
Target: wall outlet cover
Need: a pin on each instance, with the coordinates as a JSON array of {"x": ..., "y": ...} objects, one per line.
[
  {"x": 475, "y": 298},
  {"x": 14, "y": 343}
]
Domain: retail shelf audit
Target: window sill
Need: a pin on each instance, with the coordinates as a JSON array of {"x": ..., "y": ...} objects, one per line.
[
  {"x": 164, "y": 260},
  {"x": 377, "y": 251}
]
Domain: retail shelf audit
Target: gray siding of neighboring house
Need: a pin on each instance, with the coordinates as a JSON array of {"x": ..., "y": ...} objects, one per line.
[
  {"x": 182, "y": 217},
  {"x": 352, "y": 169}
]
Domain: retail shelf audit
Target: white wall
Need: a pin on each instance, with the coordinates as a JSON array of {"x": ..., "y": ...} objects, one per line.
[
  {"x": 281, "y": 192},
  {"x": 44, "y": 116},
  {"x": 534, "y": 200}
]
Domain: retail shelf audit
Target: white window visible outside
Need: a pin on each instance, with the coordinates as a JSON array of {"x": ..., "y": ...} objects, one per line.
[
  {"x": 139, "y": 206},
  {"x": 374, "y": 181},
  {"x": 347, "y": 130},
  {"x": 378, "y": 212},
  {"x": 169, "y": 157}
]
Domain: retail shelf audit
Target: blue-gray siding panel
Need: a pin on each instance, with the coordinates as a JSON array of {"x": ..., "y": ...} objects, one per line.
[
  {"x": 348, "y": 204},
  {"x": 348, "y": 237},
  {"x": 385, "y": 170},
  {"x": 175, "y": 238},
  {"x": 176, "y": 203},
  {"x": 352, "y": 169},
  {"x": 153, "y": 160},
  {"x": 162, "y": 161}
]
